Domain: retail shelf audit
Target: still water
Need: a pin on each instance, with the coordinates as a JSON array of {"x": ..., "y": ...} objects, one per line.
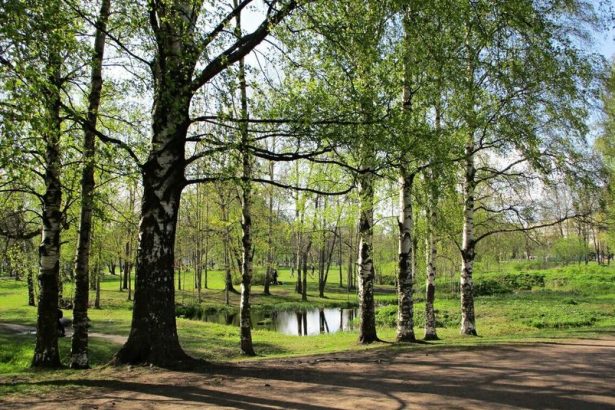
[{"x": 302, "y": 323}]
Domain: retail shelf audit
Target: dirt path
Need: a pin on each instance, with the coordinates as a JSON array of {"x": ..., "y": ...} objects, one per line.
[
  {"x": 21, "y": 329},
  {"x": 577, "y": 374}
]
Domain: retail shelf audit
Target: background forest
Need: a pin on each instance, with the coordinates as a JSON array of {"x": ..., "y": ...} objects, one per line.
[{"x": 169, "y": 159}]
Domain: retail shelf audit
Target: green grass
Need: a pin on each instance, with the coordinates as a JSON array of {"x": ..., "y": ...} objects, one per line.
[{"x": 568, "y": 301}]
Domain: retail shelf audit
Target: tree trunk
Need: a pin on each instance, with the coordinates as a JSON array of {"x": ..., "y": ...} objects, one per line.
[
  {"x": 153, "y": 336},
  {"x": 321, "y": 255},
  {"x": 246, "y": 263},
  {"x": 405, "y": 307},
  {"x": 197, "y": 255},
  {"x": 128, "y": 276},
  {"x": 430, "y": 252},
  {"x": 340, "y": 258},
  {"x": 268, "y": 273},
  {"x": 305, "y": 268},
  {"x": 31, "y": 296},
  {"x": 79, "y": 343},
  {"x": 246, "y": 211},
  {"x": 228, "y": 277},
  {"x": 468, "y": 244},
  {"x": 367, "y": 332},
  {"x": 351, "y": 261},
  {"x": 206, "y": 250},
  {"x": 298, "y": 284},
  {"x": 329, "y": 260},
  {"x": 178, "y": 268},
  {"x": 121, "y": 266},
  {"x": 127, "y": 261},
  {"x": 46, "y": 352},
  {"x": 97, "y": 274},
  {"x": 299, "y": 215}
]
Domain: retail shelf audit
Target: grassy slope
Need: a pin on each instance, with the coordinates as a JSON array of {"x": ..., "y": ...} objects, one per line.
[{"x": 575, "y": 300}]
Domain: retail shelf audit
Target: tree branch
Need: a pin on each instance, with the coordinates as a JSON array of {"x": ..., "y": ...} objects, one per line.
[{"x": 242, "y": 46}]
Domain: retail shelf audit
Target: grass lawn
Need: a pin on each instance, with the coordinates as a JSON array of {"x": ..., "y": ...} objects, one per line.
[{"x": 518, "y": 303}]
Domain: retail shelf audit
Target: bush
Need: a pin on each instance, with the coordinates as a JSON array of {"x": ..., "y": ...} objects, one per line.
[
  {"x": 258, "y": 278},
  {"x": 508, "y": 283},
  {"x": 490, "y": 287}
]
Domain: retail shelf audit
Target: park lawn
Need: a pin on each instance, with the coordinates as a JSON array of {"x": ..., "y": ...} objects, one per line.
[{"x": 572, "y": 301}]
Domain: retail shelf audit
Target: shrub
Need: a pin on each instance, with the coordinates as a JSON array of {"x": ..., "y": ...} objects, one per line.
[
  {"x": 508, "y": 283},
  {"x": 490, "y": 287},
  {"x": 258, "y": 278}
]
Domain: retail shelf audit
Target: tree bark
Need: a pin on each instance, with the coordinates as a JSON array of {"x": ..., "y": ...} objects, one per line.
[
  {"x": 127, "y": 261},
  {"x": 468, "y": 244},
  {"x": 153, "y": 335},
  {"x": 246, "y": 260},
  {"x": 246, "y": 210},
  {"x": 79, "y": 343},
  {"x": 206, "y": 251},
  {"x": 329, "y": 260},
  {"x": 405, "y": 307},
  {"x": 351, "y": 260},
  {"x": 430, "y": 252},
  {"x": 46, "y": 352},
  {"x": 407, "y": 250},
  {"x": 367, "y": 331},
  {"x": 270, "y": 257},
  {"x": 31, "y": 296},
  {"x": 340, "y": 258},
  {"x": 97, "y": 274},
  {"x": 322, "y": 253},
  {"x": 304, "y": 274},
  {"x": 299, "y": 215}
]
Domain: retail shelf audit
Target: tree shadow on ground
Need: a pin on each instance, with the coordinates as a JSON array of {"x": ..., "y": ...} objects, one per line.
[{"x": 530, "y": 376}]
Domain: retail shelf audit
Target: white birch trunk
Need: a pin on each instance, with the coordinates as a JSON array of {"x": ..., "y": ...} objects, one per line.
[
  {"x": 468, "y": 244},
  {"x": 367, "y": 332},
  {"x": 405, "y": 307},
  {"x": 430, "y": 252}
]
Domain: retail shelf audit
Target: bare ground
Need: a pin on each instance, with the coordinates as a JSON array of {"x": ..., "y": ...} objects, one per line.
[
  {"x": 22, "y": 329},
  {"x": 571, "y": 374}
]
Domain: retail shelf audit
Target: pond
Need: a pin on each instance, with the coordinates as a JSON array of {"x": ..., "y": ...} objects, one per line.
[{"x": 302, "y": 323}]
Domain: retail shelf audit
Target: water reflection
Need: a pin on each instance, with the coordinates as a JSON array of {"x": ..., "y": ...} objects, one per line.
[{"x": 302, "y": 323}]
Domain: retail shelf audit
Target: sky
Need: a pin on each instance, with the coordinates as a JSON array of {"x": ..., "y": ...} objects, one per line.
[{"x": 605, "y": 44}]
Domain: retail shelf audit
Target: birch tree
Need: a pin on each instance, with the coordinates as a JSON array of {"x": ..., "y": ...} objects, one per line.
[
  {"x": 177, "y": 74},
  {"x": 518, "y": 94},
  {"x": 79, "y": 347}
]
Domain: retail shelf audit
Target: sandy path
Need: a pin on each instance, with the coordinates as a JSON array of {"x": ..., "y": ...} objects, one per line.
[{"x": 577, "y": 374}]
